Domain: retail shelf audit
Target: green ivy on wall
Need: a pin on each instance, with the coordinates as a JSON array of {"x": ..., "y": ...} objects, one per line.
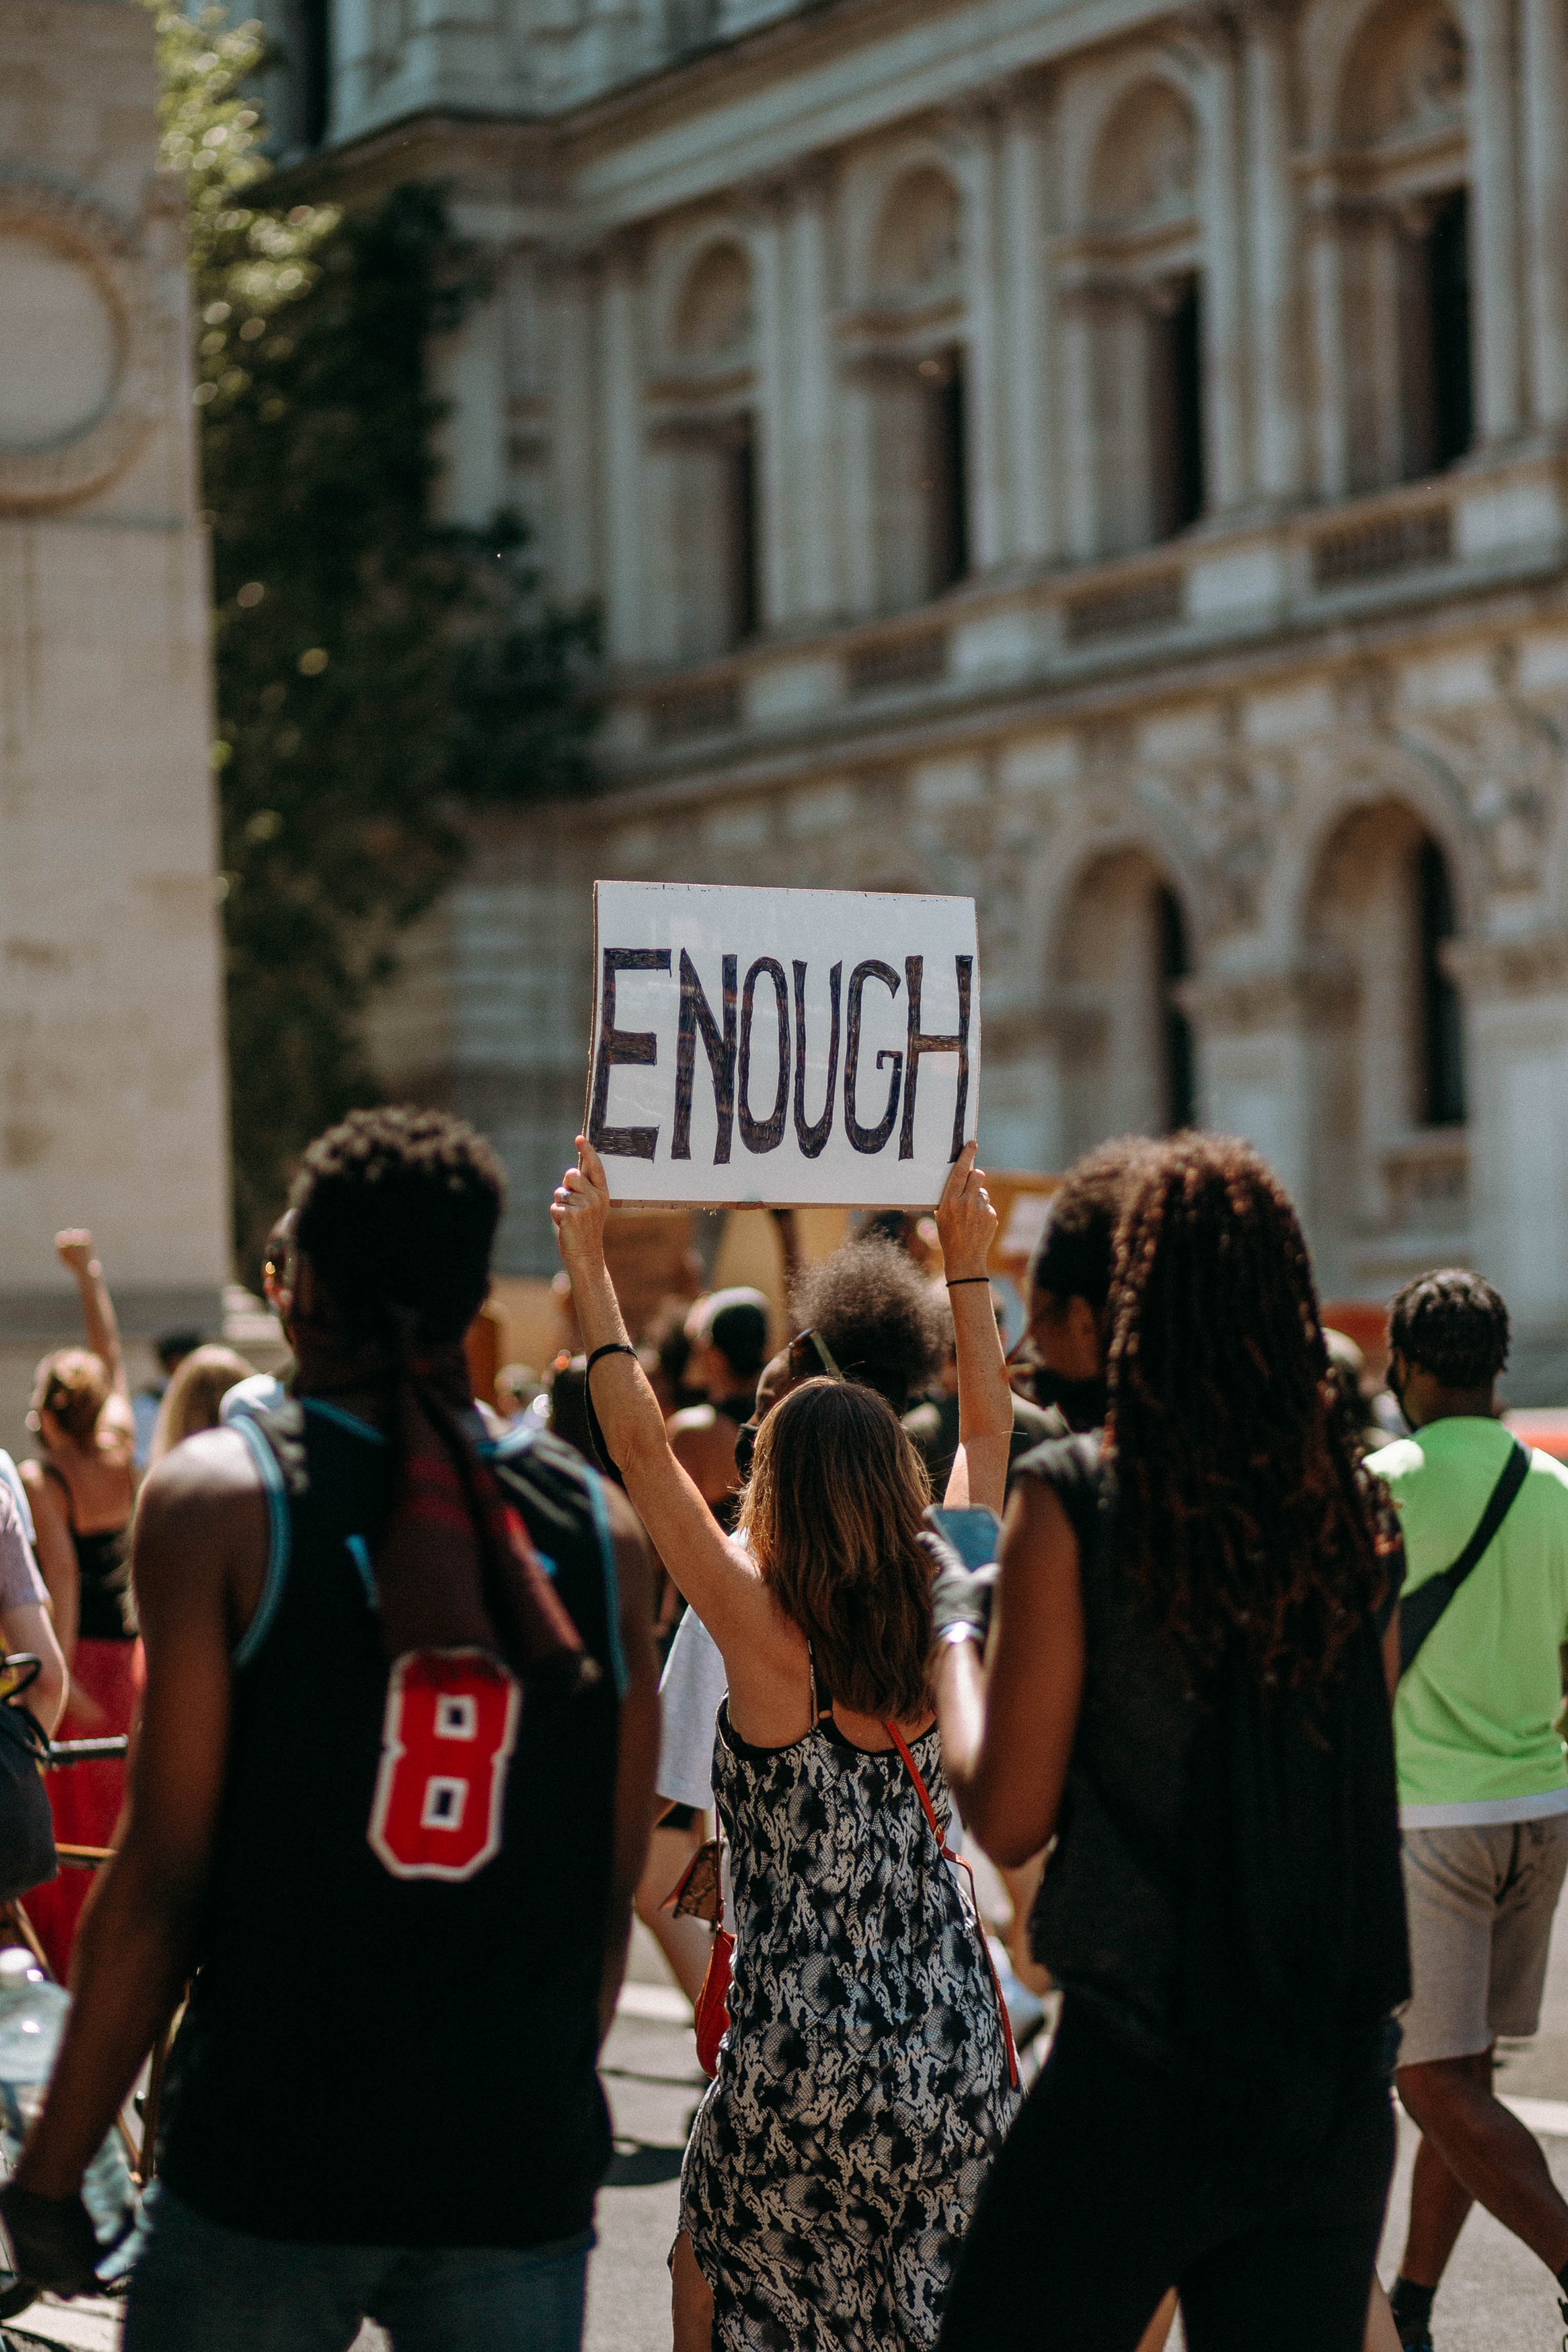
[{"x": 377, "y": 673}]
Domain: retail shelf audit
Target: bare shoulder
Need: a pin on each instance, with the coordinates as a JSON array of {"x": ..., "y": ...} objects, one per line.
[
  {"x": 691, "y": 1421},
  {"x": 199, "y": 1499}
]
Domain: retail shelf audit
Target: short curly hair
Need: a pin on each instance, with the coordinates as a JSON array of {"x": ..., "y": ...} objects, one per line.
[
  {"x": 877, "y": 1316},
  {"x": 1077, "y": 1249},
  {"x": 1453, "y": 1325},
  {"x": 397, "y": 1210}
]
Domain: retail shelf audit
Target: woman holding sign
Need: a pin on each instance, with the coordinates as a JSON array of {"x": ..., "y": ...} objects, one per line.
[{"x": 864, "y": 2080}]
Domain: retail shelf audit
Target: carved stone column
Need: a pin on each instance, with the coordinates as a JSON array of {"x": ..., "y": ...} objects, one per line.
[
  {"x": 767, "y": 209},
  {"x": 1028, "y": 340},
  {"x": 817, "y": 587},
  {"x": 570, "y": 293},
  {"x": 975, "y": 142},
  {"x": 623, "y": 468},
  {"x": 1494, "y": 261},
  {"x": 1210, "y": 28},
  {"x": 1273, "y": 252},
  {"x": 1325, "y": 269},
  {"x": 1544, "y": 48}
]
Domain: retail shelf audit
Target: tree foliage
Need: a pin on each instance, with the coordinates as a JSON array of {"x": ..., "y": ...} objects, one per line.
[{"x": 377, "y": 673}]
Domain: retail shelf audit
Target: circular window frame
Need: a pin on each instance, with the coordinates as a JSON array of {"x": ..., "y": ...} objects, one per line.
[{"x": 84, "y": 462}]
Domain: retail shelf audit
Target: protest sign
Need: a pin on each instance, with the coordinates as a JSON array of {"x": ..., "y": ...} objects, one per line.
[{"x": 800, "y": 1047}]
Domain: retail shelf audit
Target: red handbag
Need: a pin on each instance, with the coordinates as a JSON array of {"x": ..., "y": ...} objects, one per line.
[
  {"x": 711, "y": 2016},
  {"x": 698, "y": 1895}
]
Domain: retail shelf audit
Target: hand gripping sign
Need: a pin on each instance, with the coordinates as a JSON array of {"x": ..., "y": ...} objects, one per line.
[{"x": 794, "y": 1048}]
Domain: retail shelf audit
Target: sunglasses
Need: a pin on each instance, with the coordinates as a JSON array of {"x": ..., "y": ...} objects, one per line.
[{"x": 800, "y": 1365}]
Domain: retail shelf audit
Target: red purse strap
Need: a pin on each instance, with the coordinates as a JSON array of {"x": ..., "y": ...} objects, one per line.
[{"x": 929, "y": 1809}]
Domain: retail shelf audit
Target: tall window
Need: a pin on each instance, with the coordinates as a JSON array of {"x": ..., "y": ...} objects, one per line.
[
  {"x": 714, "y": 519},
  {"x": 1181, "y": 1093},
  {"x": 1175, "y": 411},
  {"x": 947, "y": 518},
  {"x": 309, "y": 37},
  {"x": 1402, "y": 281},
  {"x": 1442, "y": 1024},
  {"x": 1435, "y": 288},
  {"x": 744, "y": 589},
  {"x": 711, "y": 544},
  {"x": 1141, "y": 241}
]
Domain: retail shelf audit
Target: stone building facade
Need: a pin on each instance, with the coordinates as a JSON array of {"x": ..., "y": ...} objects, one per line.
[
  {"x": 111, "y": 1083},
  {"x": 1105, "y": 458}
]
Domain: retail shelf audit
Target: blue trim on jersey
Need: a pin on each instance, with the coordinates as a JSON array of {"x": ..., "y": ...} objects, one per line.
[
  {"x": 349, "y": 1421},
  {"x": 358, "y": 1552},
  {"x": 612, "y": 1583},
  {"x": 278, "y": 1513}
]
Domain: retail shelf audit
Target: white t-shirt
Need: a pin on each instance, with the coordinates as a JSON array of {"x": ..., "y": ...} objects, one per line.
[
  {"x": 19, "y": 1580},
  {"x": 691, "y": 1688},
  {"x": 12, "y": 1477},
  {"x": 261, "y": 1393}
]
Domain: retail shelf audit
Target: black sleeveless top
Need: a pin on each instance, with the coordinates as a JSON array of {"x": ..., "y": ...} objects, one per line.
[
  {"x": 104, "y": 1612},
  {"x": 380, "y": 2059},
  {"x": 1224, "y": 1891}
]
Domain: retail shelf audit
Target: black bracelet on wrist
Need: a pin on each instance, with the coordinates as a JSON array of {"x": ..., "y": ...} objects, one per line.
[
  {"x": 959, "y": 1280},
  {"x": 611, "y": 1348}
]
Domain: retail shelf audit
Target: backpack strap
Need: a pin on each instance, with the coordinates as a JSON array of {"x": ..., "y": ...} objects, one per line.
[
  {"x": 956, "y": 1862},
  {"x": 1420, "y": 1612}
]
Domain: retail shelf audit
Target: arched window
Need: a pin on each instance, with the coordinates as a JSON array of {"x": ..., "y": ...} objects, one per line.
[
  {"x": 710, "y": 439},
  {"x": 1141, "y": 250},
  {"x": 1387, "y": 1093},
  {"x": 916, "y": 382},
  {"x": 1404, "y": 245},
  {"x": 1127, "y": 1052}
]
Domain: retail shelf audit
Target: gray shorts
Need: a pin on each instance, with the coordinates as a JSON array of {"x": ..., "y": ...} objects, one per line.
[{"x": 1480, "y": 1904}]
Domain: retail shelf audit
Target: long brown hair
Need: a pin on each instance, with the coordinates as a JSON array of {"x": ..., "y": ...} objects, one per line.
[
  {"x": 1238, "y": 1507},
  {"x": 832, "y": 1513}
]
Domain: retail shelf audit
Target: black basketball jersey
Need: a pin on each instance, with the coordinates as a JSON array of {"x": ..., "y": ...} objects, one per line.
[{"x": 391, "y": 2032}]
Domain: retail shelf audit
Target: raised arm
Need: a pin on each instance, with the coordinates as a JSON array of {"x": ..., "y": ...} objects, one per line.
[
  {"x": 75, "y": 1250},
  {"x": 966, "y": 1225},
  {"x": 1008, "y": 1726},
  {"x": 716, "y": 1576}
]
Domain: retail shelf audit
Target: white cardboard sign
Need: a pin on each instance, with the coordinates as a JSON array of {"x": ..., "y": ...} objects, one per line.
[{"x": 797, "y": 1047}]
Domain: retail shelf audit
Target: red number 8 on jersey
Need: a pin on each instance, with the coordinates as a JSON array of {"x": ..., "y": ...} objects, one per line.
[{"x": 450, "y": 1727}]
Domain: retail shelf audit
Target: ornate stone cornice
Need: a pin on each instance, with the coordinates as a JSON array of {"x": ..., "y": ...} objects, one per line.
[
  {"x": 1535, "y": 965},
  {"x": 1237, "y": 1006}
]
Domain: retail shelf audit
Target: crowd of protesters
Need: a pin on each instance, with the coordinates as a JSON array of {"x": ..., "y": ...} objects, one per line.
[{"x": 1242, "y": 1674}]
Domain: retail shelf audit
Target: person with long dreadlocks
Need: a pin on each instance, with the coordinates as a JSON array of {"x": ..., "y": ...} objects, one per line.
[
  {"x": 1185, "y": 1686},
  {"x": 372, "y": 1638}
]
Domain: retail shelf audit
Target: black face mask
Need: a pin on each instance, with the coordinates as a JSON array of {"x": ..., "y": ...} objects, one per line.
[
  {"x": 745, "y": 1447},
  {"x": 1081, "y": 1403}
]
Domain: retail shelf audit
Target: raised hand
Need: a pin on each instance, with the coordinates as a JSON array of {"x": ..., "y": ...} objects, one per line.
[
  {"x": 74, "y": 1248},
  {"x": 965, "y": 1221},
  {"x": 577, "y": 1211}
]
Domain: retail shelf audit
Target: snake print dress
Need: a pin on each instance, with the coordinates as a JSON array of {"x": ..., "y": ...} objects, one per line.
[{"x": 863, "y": 2085}]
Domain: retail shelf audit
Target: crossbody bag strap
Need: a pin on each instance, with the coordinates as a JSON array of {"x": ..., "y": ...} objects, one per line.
[
  {"x": 957, "y": 1862},
  {"x": 1420, "y": 1612}
]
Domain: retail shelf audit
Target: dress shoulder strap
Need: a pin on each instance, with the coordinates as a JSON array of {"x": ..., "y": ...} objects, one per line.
[{"x": 52, "y": 1470}]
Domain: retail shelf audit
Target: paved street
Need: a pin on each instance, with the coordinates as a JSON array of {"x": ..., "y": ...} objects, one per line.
[{"x": 1495, "y": 2299}]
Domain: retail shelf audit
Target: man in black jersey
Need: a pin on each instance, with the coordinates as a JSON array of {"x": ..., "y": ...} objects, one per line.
[{"x": 380, "y": 1651}]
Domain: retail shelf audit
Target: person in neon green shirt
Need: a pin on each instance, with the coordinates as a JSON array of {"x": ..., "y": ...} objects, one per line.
[{"x": 1483, "y": 1783}]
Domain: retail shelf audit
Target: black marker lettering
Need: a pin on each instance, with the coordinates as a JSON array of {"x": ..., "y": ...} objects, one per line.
[
  {"x": 869, "y": 1138},
  {"x": 696, "y": 1013},
  {"x": 918, "y": 1044},
  {"x": 763, "y": 1134},
  {"x": 618, "y": 1045},
  {"x": 813, "y": 1138}
]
